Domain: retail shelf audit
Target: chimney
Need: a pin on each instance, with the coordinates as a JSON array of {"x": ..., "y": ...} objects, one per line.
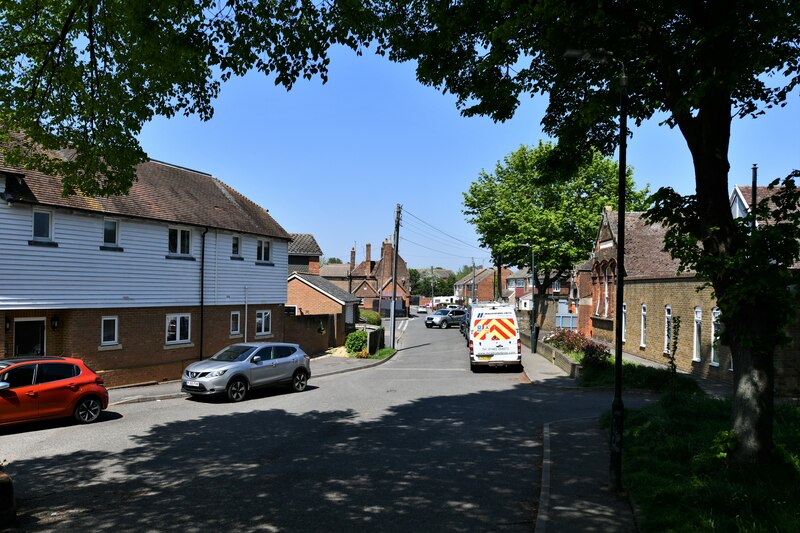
[
  {"x": 352, "y": 258},
  {"x": 369, "y": 259}
]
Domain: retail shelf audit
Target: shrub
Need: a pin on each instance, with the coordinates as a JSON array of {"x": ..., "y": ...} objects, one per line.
[
  {"x": 356, "y": 342},
  {"x": 371, "y": 317},
  {"x": 567, "y": 340},
  {"x": 595, "y": 355}
]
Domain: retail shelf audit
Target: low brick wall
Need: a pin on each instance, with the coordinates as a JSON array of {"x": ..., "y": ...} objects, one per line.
[{"x": 559, "y": 359}]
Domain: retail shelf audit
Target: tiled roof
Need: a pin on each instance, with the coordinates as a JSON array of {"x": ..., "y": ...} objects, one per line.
[
  {"x": 334, "y": 271},
  {"x": 327, "y": 287},
  {"x": 162, "y": 192},
  {"x": 480, "y": 275},
  {"x": 522, "y": 273},
  {"x": 304, "y": 244},
  {"x": 645, "y": 257},
  {"x": 761, "y": 193}
]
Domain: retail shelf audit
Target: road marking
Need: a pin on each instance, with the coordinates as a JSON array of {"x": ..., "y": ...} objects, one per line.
[{"x": 395, "y": 368}]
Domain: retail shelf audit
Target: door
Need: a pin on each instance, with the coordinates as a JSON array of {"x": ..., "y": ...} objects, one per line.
[
  {"x": 29, "y": 337},
  {"x": 20, "y": 401},
  {"x": 285, "y": 363},
  {"x": 263, "y": 371},
  {"x": 58, "y": 388}
]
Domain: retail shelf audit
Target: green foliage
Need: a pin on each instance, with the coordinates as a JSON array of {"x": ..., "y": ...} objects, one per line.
[
  {"x": 421, "y": 283},
  {"x": 677, "y": 454},
  {"x": 356, "y": 342},
  {"x": 332, "y": 261},
  {"x": 590, "y": 354},
  {"x": 638, "y": 377},
  {"x": 383, "y": 353},
  {"x": 526, "y": 201},
  {"x": 372, "y": 318}
]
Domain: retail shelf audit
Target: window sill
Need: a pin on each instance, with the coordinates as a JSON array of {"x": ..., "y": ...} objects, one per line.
[
  {"x": 694, "y": 360},
  {"x": 237, "y": 258},
  {"x": 109, "y": 347},
  {"x": 263, "y": 335},
  {"x": 177, "y": 345},
  {"x": 642, "y": 346},
  {"x": 180, "y": 257},
  {"x": 265, "y": 263},
  {"x": 112, "y": 248},
  {"x": 43, "y": 244},
  {"x": 713, "y": 364},
  {"x": 235, "y": 336}
]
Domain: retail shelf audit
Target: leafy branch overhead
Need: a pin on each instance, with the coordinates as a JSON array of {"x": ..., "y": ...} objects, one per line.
[
  {"x": 79, "y": 79},
  {"x": 527, "y": 201}
]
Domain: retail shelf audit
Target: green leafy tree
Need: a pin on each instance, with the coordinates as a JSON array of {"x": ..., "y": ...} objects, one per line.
[
  {"x": 333, "y": 261},
  {"x": 525, "y": 201}
]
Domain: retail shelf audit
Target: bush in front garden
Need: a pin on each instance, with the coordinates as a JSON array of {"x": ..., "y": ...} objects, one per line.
[
  {"x": 371, "y": 317},
  {"x": 567, "y": 340},
  {"x": 356, "y": 342},
  {"x": 595, "y": 355}
]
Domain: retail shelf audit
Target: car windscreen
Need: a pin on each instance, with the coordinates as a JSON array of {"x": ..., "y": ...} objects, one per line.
[
  {"x": 234, "y": 353},
  {"x": 442, "y": 311}
]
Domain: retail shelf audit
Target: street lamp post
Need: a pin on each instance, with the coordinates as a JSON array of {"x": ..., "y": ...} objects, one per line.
[
  {"x": 617, "y": 407},
  {"x": 534, "y": 325}
]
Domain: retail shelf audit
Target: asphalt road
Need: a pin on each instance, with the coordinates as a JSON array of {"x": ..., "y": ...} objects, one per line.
[{"x": 419, "y": 443}]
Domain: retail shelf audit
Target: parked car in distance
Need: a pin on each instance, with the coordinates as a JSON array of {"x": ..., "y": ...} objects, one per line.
[
  {"x": 444, "y": 318},
  {"x": 422, "y": 309},
  {"x": 38, "y": 388},
  {"x": 236, "y": 369},
  {"x": 463, "y": 325}
]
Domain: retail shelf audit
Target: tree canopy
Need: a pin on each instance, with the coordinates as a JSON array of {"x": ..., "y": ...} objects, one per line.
[{"x": 525, "y": 201}]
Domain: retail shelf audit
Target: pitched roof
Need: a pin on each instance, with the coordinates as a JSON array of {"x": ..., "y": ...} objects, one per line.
[
  {"x": 304, "y": 244},
  {"x": 334, "y": 271},
  {"x": 745, "y": 192},
  {"x": 326, "y": 287},
  {"x": 480, "y": 275},
  {"x": 522, "y": 273},
  {"x": 162, "y": 192},
  {"x": 644, "y": 247}
]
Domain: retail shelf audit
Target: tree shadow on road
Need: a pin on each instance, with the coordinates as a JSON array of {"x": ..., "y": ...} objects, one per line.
[{"x": 443, "y": 463}]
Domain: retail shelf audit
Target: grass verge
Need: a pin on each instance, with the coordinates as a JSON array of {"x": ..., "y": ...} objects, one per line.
[
  {"x": 383, "y": 353},
  {"x": 637, "y": 377},
  {"x": 676, "y": 469}
]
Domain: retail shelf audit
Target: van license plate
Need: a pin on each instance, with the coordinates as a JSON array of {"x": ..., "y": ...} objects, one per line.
[{"x": 485, "y": 357}]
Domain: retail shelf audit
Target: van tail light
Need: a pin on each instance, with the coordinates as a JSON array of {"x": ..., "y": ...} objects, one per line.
[
  {"x": 519, "y": 346},
  {"x": 471, "y": 351}
]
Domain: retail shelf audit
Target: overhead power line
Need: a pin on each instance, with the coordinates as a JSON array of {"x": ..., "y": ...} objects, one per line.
[{"x": 440, "y": 231}]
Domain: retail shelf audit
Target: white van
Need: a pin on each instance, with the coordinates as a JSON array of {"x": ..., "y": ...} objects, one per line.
[{"x": 494, "y": 336}]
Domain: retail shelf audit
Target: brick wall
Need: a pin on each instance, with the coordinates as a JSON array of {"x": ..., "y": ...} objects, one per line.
[
  {"x": 310, "y": 301},
  {"x": 142, "y": 353},
  {"x": 315, "y": 333}
]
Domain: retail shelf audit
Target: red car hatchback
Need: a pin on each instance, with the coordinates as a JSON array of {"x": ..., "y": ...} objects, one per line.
[{"x": 36, "y": 388}]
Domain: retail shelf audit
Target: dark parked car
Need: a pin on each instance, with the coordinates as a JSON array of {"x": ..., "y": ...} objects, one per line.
[
  {"x": 240, "y": 367},
  {"x": 37, "y": 388}
]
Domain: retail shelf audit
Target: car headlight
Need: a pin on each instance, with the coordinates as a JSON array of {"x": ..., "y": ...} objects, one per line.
[{"x": 217, "y": 373}]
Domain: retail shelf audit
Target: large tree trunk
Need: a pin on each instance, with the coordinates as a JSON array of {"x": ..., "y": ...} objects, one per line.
[{"x": 747, "y": 329}]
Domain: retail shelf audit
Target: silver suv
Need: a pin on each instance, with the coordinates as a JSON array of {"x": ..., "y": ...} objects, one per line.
[
  {"x": 444, "y": 318},
  {"x": 240, "y": 367}
]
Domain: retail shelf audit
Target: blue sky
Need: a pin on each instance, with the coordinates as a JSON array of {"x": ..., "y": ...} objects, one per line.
[{"x": 334, "y": 160}]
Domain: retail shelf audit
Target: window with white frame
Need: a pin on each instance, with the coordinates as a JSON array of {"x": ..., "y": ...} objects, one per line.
[
  {"x": 42, "y": 225},
  {"x": 179, "y": 328},
  {"x": 556, "y": 285},
  {"x": 263, "y": 322},
  {"x": 263, "y": 251},
  {"x": 235, "y": 323},
  {"x": 605, "y": 296},
  {"x": 715, "y": 329},
  {"x": 236, "y": 246},
  {"x": 624, "y": 321},
  {"x": 180, "y": 241},
  {"x": 643, "y": 331},
  {"x": 667, "y": 328},
  {"x": 698, "y": 323},
  {"x": 109, "y": 331},
  {"x": 111, "y": 232}
]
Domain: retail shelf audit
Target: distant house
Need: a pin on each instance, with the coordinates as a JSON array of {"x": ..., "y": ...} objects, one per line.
[
  {"x": 480, "y": 285},
  {"x": 137, "y": 285},
  {"x": 311, "y": 294},
  {"x": 370, "y": 280},
  {"x": 304, "y": 253}
]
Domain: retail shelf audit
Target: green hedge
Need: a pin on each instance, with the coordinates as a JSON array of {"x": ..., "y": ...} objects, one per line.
[
  {"x": 371, "y": 317},
  {"x": 356, "y": 342}
]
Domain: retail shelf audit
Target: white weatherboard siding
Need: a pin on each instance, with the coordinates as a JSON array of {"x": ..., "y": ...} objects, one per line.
[{"x": 77, "y": 274}]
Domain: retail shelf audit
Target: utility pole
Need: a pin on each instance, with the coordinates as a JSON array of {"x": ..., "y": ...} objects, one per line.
[
  {"x": 432, "y": 290},
  {"x": 754, "y": 194},
  {"x": 473, "y": 280},
  {"x": 392, "y": 317}
]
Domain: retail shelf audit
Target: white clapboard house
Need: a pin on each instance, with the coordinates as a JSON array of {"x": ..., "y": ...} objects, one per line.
[{"x": 138, "y": 285}]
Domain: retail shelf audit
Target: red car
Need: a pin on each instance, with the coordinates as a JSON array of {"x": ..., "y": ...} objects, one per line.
[{"x": 37, "y": 388}]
